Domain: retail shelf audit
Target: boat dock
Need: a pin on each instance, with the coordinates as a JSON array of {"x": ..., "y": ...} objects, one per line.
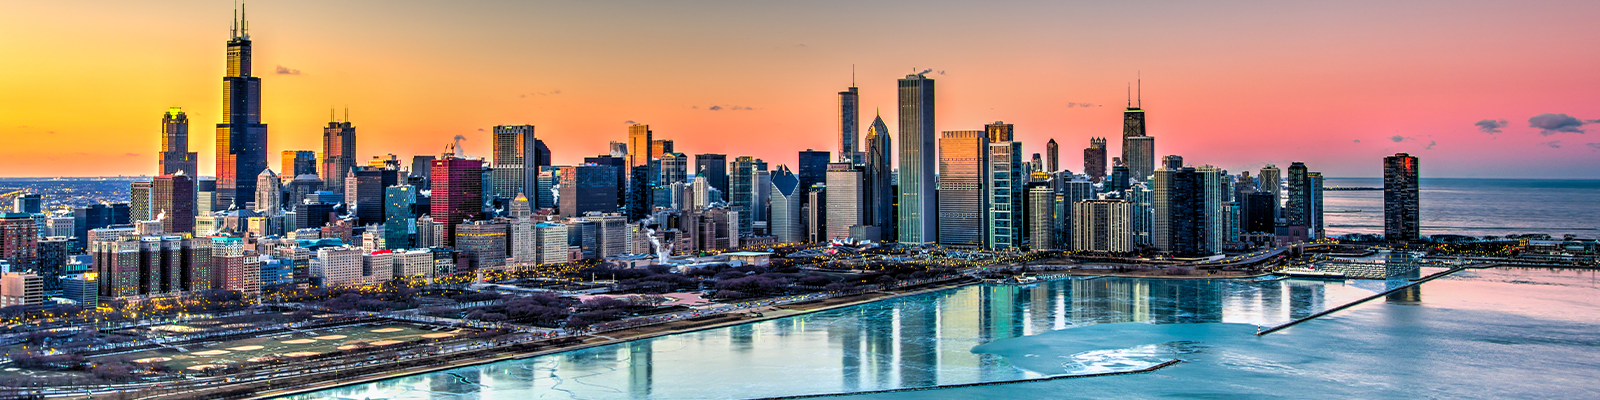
[{"x": 1362, "y": 300}]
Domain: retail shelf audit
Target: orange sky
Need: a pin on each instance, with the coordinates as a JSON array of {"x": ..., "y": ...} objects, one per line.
[{"x": 1236, "y": 84}]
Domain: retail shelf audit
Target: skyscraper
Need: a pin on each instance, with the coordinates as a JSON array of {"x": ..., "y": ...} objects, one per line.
[
  {"x": 1102, "y": 226},
  {"x": 269, "y": 193},
  {"x": 586, "y": 188},
  {"x": 849, "y": 126},
  {"x": 1094, "y": 160},
  {"x": 139, "y": 202},
  {"x": 1041, "y": 218},
  {"x": 175, "y": 155},
  {"x": 639, "y": 140},
  {"x": 338, "y": 154},
  {"x": 918, "y": 220},
  {"x": 1178, "y": 201},
  {"x": 742, "y": 188},
  {"x": 1297, "y": 205},
  {"x": 877, "y": 178},
  {"x": 1218, "y": 198},
  {"x": 963, "y": 200},
  {"x": 298, "y": 162},
  {"x": 786, "y": 195},
  {"x": 1172, "y": 161},
  {"x": 19, "y": 240},
  {"x": 516, "y": 158},
  {"x": 846, "y": 196},
  {"x": 999, "y": 131},
  {"x": 398, "y": 220},
  {"x": 813, "y": 168},
  {"x": 172, "y": 199},
  {"x": 241, "y": 151},
  {"x": 457, "y": 189},
  {"x": 1052, "y": 157},
  {"x": 714, "y": 169},
  {"x": 1005, "y": 194},
  {"x": 661, "y": 147},
  {"x": 363, "y": 193},
  {"x": 1402, "y": 221},
  {"x": 674, "y": 168}
]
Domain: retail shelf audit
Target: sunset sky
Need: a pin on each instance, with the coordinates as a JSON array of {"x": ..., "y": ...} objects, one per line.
[{"x": 1337, "y": 84}]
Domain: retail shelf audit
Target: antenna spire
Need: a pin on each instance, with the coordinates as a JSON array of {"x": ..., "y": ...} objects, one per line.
[
  {"x": 244, "y": 23},
  {"x": 331, "y": 118},
  {"x": 1130, "y": 96},
  {"x": 852, "y": 75},
  {"x": 233, "y": 24},
  {"x": 347, "y": 113},
  {"x": 1141, "y": 88}
]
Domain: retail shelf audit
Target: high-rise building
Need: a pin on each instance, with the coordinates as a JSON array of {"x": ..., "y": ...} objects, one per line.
[
  {"x": 846, "y": 200},
  {"x": 485, "y": 244},
  {"x": 639, "y": 140},
  {"x": 1258, "y": 210},
  {"x": 1102, "y": 226},
  {"x": 457, "y": 194},
  {"x": 421, "y": 167},
  {"x": 28, "y": 203},
  {"x": 298, "y": 162},
  {"x": 849, "y": 126},
  {"x": 1172, "y": 161},
  {"x": 674, "y": 168},
  {"x": 742, "y": 189},
  {"x": 363, "y": 193},
  {"x": 1052, "y": 157},
  {"x": 1297, "y": 202},
  {"x": 139, "y": 202},
  {"x": 587, "y": 188},
  {"x": 96, "y": 216},
  {"x": 269, "y": 193},
  {"x": 661, "y": 147},
  {"x": 241, "y": 150},
  {"x": 1271, "y": 181},
  {"x": 962, "y": 195},
  {"x": 637, "y": 204},
  {"x": 1402, "y": 221},
  {"x": 1314, "y": 183},
  {"x": 816, "y": 213},
  {"x": 1218, "y": 199},
  {"x": 1179, "y": 200},
  {"x": 619, "y": 150},
  {"x": 999, "y": 131},
  {"x": 1041, "y": 218},
  {"x": 398, "y": 219},
  {"x": 1094, "y": 160},
  {"x": 1005, "y": 183},
  {"x": 132, "y": 265},
  {"x": 172, "y": 199},
  {"x": 175, "y": 155},
  {"x": 516, "y": 158},
  {"x": 338, "y": 154},
  {"x": 812, "y": 169},
  {"x": 918, "y": 220},
  {"x": 878, "y": 181},
  {"x": 714, "y": 169},
  {"x": 785, "y": 222},
  {"x": 19, "y": 240},
  {"x": 1137, "y": 153},
  {"x": 21, "y": 289}
]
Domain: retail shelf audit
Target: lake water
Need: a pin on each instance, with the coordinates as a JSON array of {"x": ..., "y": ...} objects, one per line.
[
  {"x": 1519, "y": 333},
  {"x": 1474, "y": 207}
]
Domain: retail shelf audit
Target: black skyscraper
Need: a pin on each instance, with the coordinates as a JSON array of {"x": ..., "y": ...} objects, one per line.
[
  {"x": 241, "y": 137},
  {"x": 714, "y": 169},
  {"x": 813, "y": 169},
  {"x": 1401, "y": 219}
]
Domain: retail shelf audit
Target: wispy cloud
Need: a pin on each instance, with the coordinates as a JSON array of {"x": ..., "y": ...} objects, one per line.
[
  {"x": 1594, "y": 146},
  {"x": 1554, "y": 144},
  {"x": 1075, "y": 105},
  {"x": 1430, "y": 145},
  {"x": 1358, "y": 140},
  {"x": 1553, "y": 123},
  {"x": 1491, "y": 126},
  {"x": 1398, "y": 138},
  {"x": 282, "y": 70},
  {"x": 715, "y": 107},
  {"x": 630, "y": 122}
]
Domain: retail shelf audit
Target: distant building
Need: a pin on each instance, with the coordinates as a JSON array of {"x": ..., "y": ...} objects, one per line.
[
  {"x": 849, "y": 126},
  {"x": 1094, "y": 160},
  {"x": 1179, "y": 201},
  {"x": 19, "y": 240},
  {"x": 742, "y": 190},
  {"x": 1041, "y": 218},
  {"x": 587, "y": 188},
  {"x": 1005, "y": 195},
  {"x": 131, "y": 265},
  {"x": 172, "y": 200},
  {"x": 241, "y": 139},
  {"x": 1402, "y": 221},
  {"x": 785, "y": 222},
  {"x": 398, "y": 221},
  {"x": 1138, "y": 148},
  {"x": 1102, "y": 226},
  {"x": 175, "y": 156},
  {"x": 82, "y": 288},
  {"x": 457, "y": 194},
  {"x": 1052, "y": 158},
  {"x": 21, "y": 289},
  {"x": 298, "y": 162},
  {"x": 484, "y": 244},
  {"x": 639, "y": 145},
  {"x": 845, "y": 203},
  {"x": 877, "y": 180},
  {"x": 338, "y": 154},
  {"x": 363, "y": 192},
  {"x": 515, "y": 162}
]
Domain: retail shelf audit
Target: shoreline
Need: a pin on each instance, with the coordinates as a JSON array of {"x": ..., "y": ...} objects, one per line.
[{"x": 767, "y": 313}]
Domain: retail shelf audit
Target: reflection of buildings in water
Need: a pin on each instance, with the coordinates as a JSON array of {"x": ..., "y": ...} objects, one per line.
[
  {"x": 1410, "y": 295},
  {"x": 742, "y": 337},
  {"x": 919, "y": 330},
  {"x": 879, "y": 329},
  {"x": 1001, "y": 317},
  {"x": 1185, "y": 301},
  {"x": 1305, "y": 297},
  {"x": 845, "y": 332},
  {"x": 1110, "y": 300},
  {"x": 1041, "y": 308},
  {"x": 640, "y": 368},
  {"x": 961, "y": 317}
]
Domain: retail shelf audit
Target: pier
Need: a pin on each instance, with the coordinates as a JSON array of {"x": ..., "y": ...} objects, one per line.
[{"x": 1362, "y": 300}]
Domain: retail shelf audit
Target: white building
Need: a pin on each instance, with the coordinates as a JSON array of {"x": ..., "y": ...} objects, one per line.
[{"x": 338, "y": 266}]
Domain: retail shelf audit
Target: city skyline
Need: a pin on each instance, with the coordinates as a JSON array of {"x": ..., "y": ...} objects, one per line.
[{"x": 1403, "y": 93}]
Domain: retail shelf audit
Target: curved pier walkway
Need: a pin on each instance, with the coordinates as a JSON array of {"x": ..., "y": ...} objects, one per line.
[
  {"x": 1362, "y": 300},
  {"x": 1047, "y": 378}
]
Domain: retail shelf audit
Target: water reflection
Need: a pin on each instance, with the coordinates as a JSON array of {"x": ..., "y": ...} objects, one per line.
[{"x": 914, "y": 341}]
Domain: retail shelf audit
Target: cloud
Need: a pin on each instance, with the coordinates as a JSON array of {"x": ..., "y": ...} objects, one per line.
[
  {"x": 1554, "y": 144},
  {"x": 1072, "y": 105},
  {"x": 1551, "y": 123},
  {"x": 941, "y": 72},
  {"x": 1491, "y": 126},
  {"x": 1430, "y": 145},
  {"x": 1397, "y": 138},
  {"x": 1358, "y": 140},
  {"x": 1595, "y": 146},
  {"x": 282, "y": 70},
  {"x": 715, "y": 108},
  {"x": 630, "y": 122},
  {"x": 131, "y": 154},
  {"x": 479, "y": 130}
]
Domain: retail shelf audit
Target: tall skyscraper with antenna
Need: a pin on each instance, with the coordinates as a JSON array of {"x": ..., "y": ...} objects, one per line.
[
  {"x": 850, "y": 125},
  {"x": 1138, "y": 148},
  {"x": 241, "y": 137},
  {"x": 338, "y": 152}
]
